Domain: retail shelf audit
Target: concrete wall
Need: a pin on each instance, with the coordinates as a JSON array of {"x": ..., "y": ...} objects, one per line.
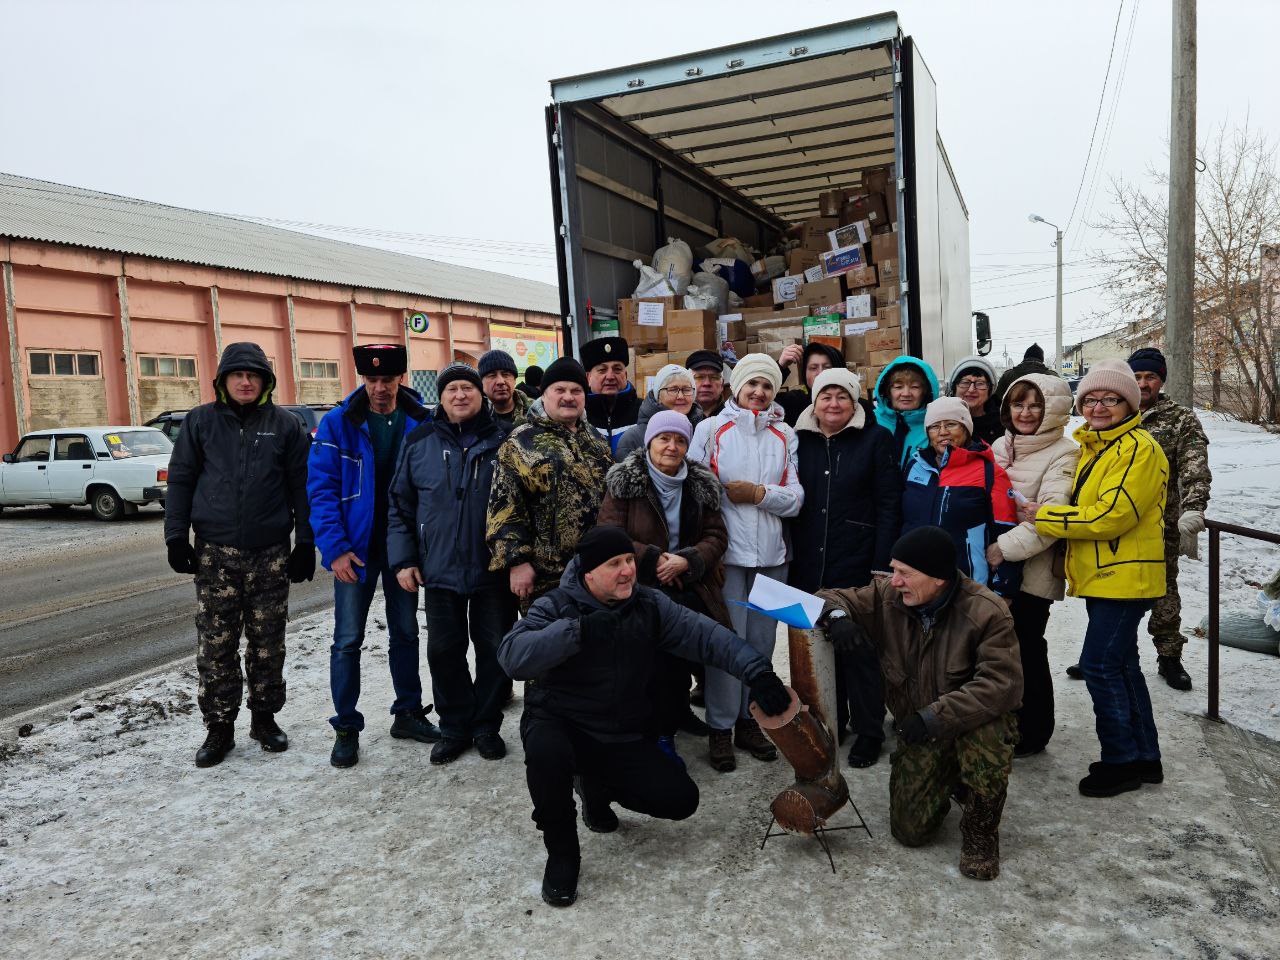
[{"x": 122, "y": 309}]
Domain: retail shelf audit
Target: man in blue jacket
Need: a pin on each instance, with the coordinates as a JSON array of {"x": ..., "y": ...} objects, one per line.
[
  {"x": 349, "y": 475},
  {"x": 435, "y": 540}
]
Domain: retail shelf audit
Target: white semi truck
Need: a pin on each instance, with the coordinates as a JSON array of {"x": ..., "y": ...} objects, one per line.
[{"x": 739, "y": 142}]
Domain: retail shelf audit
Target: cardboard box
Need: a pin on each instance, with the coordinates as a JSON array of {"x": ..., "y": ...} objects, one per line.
[
  {"x": 884, "y": 246},
  {"x": 888, "y": 271},
  {"x": 644, "y": 337},
  {"x": 857, "y": 232},
  {"x": 739, "y": 348},
  {"x": 829, "y": 202},
  {"x": 647, "y": 365},
  {"x": 823, "y": 292},
  {"x": 813, "y": 233},
  {"x": 836, "y": 342},
  {"x": 889, "y": 317},
  {"x": 822, "y": 326},
  {"x": 882, "y": 358},
  {"x": 837, "y": 262},
  {"x": 754, "y": 318},
  {"x": 873, "y": 374},
  {"x": 886, "y": 296},
  {"x": 730, "y": 326},
  {"x": 890, "y": 339},
  {"x": 860, "y": 277},
  {"x": 866, "y": 206},
  {"x": 800, "y": 260},
  {"x": 785, "y": 288},
  {"x": 758, "y": 300},
  {"x": 791, "y": 333},
  {"x": 877, "y": 179},
  {"x": 814, "y": 274},
  {"x": 773, "y": 349},
  {"x": 858, "y": 306},
  {"x": 679, "y": 356},
  {"x": 854, "y": 348},
  {"x": 689, "y": 330}
]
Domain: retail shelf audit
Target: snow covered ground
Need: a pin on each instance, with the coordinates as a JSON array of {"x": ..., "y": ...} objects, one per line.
[
  {"x": 112, "y": 844},
  {"x": 34, "y": 533}
]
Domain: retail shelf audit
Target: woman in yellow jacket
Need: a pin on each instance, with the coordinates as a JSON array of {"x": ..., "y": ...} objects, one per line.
[{"x": 1114, "y": 528}]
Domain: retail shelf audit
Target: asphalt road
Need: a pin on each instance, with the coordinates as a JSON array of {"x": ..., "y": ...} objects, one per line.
[{"x": 101, "y": 611}]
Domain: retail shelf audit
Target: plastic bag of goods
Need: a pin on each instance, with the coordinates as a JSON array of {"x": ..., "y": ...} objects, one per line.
[
  {"x": 729, "y": 247},
  {"x": 675, "y": 262},
  {"x": 766, "y": 269},
  {"x": 696, "y": 299},
  {"x": 714, "y": 286},
  {"x": 652, "y": 283}
]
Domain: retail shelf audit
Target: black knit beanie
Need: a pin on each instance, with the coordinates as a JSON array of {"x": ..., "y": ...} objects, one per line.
[
  {"x": 495, "y": 360},
  {"x": 564, "y": 368},
  {"x": 457, "y": 371},
  {"x": 1149, "y": 360},
  {"x": 929, "y": 550},
  {"x": 601, "y": 544}
]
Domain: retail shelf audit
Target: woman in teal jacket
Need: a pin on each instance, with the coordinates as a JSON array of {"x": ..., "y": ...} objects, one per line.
[{"x": 904, "y": 389}]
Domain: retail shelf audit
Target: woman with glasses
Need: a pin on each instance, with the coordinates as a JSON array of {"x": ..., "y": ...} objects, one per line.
[
  {"x": 1041, "y": 463},
  {"x": 1113, "y": 523},
  {"x": 974, "y": 381},
  {"x": 673, "y": 389}
]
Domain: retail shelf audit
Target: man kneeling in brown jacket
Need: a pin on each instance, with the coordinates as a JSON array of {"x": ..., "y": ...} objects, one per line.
[{"x": 952, "y": 679}]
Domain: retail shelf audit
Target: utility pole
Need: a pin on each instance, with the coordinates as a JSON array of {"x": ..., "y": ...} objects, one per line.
[
  {"x": 1057, "y": 331},
  {"x": 1180, "y": 269}
]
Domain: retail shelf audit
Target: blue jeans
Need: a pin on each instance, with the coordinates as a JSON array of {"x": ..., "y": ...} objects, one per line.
[
  {"x": 468, "y": 708},
  {"x": 1109, "y": 661},
  {"x": 350, "y": 612}
]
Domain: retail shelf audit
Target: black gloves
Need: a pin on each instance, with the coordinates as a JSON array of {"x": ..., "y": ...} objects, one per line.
[
  {"x": 302, "y": 562},
  {"x": 182, "y": 558},
  {"x": 845, "y": 634},
  {"x": 769, "y": 693},
  {"x": 599, "y": 624},
  {"x": 913, "y": 731}
]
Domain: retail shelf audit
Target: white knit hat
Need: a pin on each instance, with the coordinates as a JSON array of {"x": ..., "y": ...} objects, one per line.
[
  {"x": 837, "y": 377},
  {"x": 1113, "y": 375},
  {"x": 948, "y": 408},
  {"x": 756, "y": 365},
  {"x": 671, "y": 371}
]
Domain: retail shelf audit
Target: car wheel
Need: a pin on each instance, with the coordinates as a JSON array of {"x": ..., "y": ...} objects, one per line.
[{"x": 106, "y": 504}]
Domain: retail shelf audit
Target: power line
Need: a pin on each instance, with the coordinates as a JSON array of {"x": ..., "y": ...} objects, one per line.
[
  {"x": 1115, "y": 32},
  {"x": 1065, "y": 293}
]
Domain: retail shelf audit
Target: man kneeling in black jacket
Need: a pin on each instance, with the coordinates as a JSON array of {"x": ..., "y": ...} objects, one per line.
[{"x": 586, "y": 651}]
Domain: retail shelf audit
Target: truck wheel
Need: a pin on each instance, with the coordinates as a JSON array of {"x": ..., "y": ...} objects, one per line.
[{"x": 106, "y": 504}]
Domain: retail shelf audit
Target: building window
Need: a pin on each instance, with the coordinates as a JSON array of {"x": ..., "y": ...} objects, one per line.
[
  {"x": 319, "y": 369},
  {"x": 49, "y": 364},
  {"x": 178, "y": 367}
]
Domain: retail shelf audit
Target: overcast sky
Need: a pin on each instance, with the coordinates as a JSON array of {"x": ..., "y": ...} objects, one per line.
[{"x": 426, "y": 119}]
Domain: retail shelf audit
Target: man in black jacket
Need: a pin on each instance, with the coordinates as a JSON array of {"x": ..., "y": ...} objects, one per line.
[
  {"x": 612, "y": 403},
  {"x": 587, "y": 651},
  {"x": 238, "y": 476}
]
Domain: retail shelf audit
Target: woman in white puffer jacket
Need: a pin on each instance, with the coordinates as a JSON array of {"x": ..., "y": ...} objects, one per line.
[
  {"x": 752, "y": 452},
  {"x": 1041, "y": 463}
]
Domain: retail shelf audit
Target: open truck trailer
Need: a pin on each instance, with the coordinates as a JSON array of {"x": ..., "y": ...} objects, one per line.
[{"x": 739, "y": 142}]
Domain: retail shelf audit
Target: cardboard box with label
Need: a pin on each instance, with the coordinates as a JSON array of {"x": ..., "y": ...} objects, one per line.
[
  {"x": 643, "y": 322},
  {"x": 868, "y": 206},
  {"x": 799, "y": 260},
  {"x": 888, "y": 271},
  {"x": 860, "y": 277},
  {"x": 858, "y": 306},
  {"x": 648, "y": 364},
  {"x": 887, "y": 317},
  {"x": 791, "y": 333},
  {"x": 884, "y": 246},
  {"x": 846, "y": 236},
  {"x": 822, "y": 326},
  {"x": 813, "y": 234},
  {"x": 824, "y": 292},
  {"x": 890, "y": 339},
  {"x": 730, "y": 326},
  {"x": 854, "y": 348},
  {"x": 786, "y": 288},
  {"x": 689, "y": 330},
  {"x": 814, "y": 274},
  {"x": 886, "y": 296},
  {"x": 844, "y": 260}
]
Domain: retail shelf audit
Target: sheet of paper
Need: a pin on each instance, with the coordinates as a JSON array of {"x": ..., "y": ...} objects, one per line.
[
  {"x": 781, "y": 602},
  {"x": 649, "y": 314}
]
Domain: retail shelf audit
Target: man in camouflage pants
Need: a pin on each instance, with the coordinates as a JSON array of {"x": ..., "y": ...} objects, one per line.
[
  {"x": 547, "y": 486},
  {"x": 1178, "y": 431},
  {"x": 953, "y": 677},
  {"x": 238, "y": 477}
]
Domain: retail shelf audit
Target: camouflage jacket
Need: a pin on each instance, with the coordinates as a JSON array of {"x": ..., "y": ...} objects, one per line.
[
  {"x": 1178, "y": 431},
  {"x": 546, "y": 491}
]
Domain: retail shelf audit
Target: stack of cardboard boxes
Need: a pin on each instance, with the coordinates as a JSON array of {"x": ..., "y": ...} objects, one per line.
[{"x": 841, "y": 288}]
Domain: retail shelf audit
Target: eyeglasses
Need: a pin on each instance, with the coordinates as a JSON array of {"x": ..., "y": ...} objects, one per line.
[
  {"x": 947, "y": 425},
  {"x": 678, "y": 391},
  {"x": 970, "y": 383},
  {"x": 1107, "y": 402}
]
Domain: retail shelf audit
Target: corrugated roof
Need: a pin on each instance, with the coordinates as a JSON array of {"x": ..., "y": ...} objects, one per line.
[{"x": 55, "y": 213}]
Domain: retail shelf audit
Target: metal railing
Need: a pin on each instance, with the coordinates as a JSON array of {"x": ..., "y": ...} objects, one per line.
[{"x": 1216, "y": 528}]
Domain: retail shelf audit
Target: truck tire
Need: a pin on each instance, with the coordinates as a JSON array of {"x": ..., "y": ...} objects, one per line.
[{"x": 106, "y": 503}]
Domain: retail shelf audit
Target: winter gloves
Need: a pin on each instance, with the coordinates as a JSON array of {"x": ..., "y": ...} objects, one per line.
[
  {"x": 743, "y": 491},
  {"x": 769, "y": 693},
  {"x": 182, "y": 558},
  {"x": 1189, "y": 526},
  {"x": 913, "y": 731},
  {"x": 302, "y": 562},
  {"x": 845, "y": 633}
]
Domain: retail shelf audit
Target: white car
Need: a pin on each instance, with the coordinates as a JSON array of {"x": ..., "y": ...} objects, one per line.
[{"x": 113, "y": 469}]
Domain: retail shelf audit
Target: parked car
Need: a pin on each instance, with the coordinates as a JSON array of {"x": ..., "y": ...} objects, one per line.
[
  {"x": 113, "y": 469},
  {"x": 170, "y": 421}
]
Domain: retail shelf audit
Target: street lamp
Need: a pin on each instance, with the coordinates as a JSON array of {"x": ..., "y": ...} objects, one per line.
[{"x": 1057, "y": 335}]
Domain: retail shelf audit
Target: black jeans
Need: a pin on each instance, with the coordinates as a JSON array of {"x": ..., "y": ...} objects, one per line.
[
  {"x": 635, "y": 774},
  {"x": 670, "y": 686},
  {"x": 468, "y": 708},
  {"x": 1035, "y": 717},
  {"x": 860, "y": 693}
]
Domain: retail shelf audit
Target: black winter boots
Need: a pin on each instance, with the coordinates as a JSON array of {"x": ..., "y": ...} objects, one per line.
[
  {"x": 267, "y": 732},
  {"x": 560, "y": 880},
  {"x": 346, "y": 748},
  {"x": 1174, "y": 675},
  {"x": 217, "y": 744}
]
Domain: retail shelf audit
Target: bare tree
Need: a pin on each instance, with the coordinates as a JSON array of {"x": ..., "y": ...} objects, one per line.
[{"x": 1237, "y": 270}]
